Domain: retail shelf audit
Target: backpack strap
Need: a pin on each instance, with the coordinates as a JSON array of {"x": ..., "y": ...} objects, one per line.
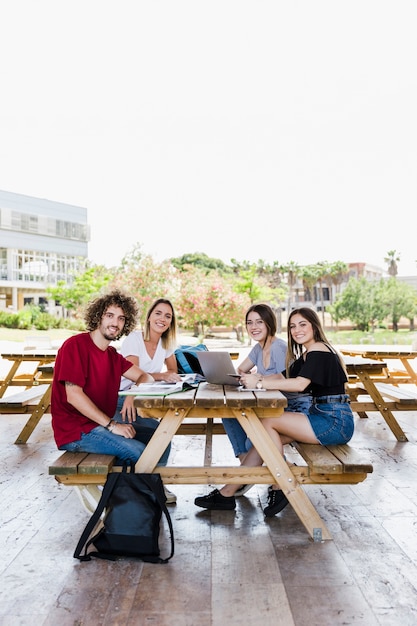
[{"x": 94, "y": 519}]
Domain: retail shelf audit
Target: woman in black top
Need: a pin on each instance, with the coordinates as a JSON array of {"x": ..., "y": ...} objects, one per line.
[{"x": 313, "y": 366}]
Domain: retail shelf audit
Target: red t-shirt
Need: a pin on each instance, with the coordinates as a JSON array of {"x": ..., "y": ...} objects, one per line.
[{"x": 97, "y": 371}]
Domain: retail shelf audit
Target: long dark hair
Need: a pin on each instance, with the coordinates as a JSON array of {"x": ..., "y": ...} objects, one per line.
[
  {"x": 267, "y": 315},
  {"x": 295, "y": 350}
]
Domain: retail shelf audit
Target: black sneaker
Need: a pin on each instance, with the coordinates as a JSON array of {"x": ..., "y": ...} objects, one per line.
[
  {"x": 216, "y": 501},
  {"x": 277, "y": 501}
]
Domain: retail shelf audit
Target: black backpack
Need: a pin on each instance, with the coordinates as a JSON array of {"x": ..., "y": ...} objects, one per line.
[{"x": 133, "y": 505}]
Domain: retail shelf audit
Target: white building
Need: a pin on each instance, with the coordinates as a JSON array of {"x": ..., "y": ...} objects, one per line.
[{"x": 41, "y": 242}]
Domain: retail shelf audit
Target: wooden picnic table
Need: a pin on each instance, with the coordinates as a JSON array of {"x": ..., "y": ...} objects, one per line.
[
  {"x": 211, "y": 402},
  {"x": 37, "y": 379},
  {"x": 17, "y": 358},
  {"x": 367, "y": 377},
  {"x": 397, "y": 353}
]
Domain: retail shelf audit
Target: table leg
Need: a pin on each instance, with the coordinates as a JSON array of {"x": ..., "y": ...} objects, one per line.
[
  {"x": 160, "y": 440},
  {"x": 382, "y": 405},
  {"x": 410, "y": 370},
  {"x": 40, "y": 410},
  {"x": 10, "y": 375},
  {"x": 282, "y": 474}
]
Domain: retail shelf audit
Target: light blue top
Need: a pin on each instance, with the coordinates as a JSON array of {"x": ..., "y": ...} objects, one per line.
[{"x": 276, "y": 361}]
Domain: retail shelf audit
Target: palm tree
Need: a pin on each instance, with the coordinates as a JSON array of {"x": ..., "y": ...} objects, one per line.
[
  {"x": 391, "y": 259},
  {"x": 322, "y": 273},
  {"x": 292, "y": 271}
]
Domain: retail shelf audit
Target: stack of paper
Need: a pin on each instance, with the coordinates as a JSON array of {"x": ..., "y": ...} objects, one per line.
[{"x": 162, "y": 388}]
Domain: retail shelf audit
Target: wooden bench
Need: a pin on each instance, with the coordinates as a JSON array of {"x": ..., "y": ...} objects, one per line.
[
  {"x": 23, "y": 401},
  {"x": 323, "y": 465},
  {"x": 405, "y": 399},
  {"x": 395, "y": 398},
  {"x": 330, "y": 464}
]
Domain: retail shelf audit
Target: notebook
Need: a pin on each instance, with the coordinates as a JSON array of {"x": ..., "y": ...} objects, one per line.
[{"x": 218, "y": 368}]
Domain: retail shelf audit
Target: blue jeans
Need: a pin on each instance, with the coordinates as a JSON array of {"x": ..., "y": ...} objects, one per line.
[
  {"x": 144, "y": 426},
  {"x": 102, "y": 441},
  {"x": 239, "y": 439},
  {"x": 332, "y": 420}
]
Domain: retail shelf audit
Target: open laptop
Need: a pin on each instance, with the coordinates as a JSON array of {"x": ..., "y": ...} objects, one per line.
[{"x": 218, "y": 368}]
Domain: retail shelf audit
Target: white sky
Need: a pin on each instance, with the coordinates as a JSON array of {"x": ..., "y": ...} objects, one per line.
[{"x": 278, "y": 130}]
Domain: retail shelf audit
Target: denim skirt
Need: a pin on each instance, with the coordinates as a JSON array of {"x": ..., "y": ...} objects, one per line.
[{"x": 332, "y": 419}]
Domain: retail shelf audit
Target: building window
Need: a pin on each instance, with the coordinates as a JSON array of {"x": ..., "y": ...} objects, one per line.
[
  {"x": 33, "y": 266},
  {"x": 41, "y": 225}
]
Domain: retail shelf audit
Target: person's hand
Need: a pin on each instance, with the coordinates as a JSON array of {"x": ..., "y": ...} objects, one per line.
[
  {"x": 128, "y": 411},
  {"x": 249, "y": 380},
  {"x": 124, "y": 430},
  {"x": 171, "y": 377}
]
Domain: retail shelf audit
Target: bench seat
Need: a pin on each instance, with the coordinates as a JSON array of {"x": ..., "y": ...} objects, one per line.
[
  {"x": 323, "y": 465},
  {"x": 395, "y": 398},
  {"x": 23, "y": 401},
  {"x": 332, "y": 464},
  {"x": 399, "y": 394}
]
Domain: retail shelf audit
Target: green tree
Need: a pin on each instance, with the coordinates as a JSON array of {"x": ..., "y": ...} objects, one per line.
[
  {"x": 399, "y": 300},
  {"x": 356, "y": 303},
  {"x": 250, "y": 284},
  {"x": 201, "y": 260}
]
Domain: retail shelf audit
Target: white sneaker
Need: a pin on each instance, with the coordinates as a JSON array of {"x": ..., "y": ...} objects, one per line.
[
  {"x": 242, "y": 490},
  {"x": 171, "y": 497}
]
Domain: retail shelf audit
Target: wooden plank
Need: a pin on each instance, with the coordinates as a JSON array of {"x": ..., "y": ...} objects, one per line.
[
  {"x": 319, "y": 458},
  {"x": 67, "y": 463},
  {"x": 200, "y": 476},
  {"x": 209, "y": 395},
  {"x": 97, "y": 464},
  {"x": 200, "y": 428},
  {"x": 351, "y": 459},
  {"x": 405, "y": 396},
  {"x": 24, "y": 397}
]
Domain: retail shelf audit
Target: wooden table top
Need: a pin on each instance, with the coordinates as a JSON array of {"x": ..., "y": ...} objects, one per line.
[
  {"x": 214, "y": 396},
  {"x": 29, "y": 355},
  {"x": 381, "y": 352},
  {"x": 353, "y": 363},
  {"x": 218, "y": 396}
]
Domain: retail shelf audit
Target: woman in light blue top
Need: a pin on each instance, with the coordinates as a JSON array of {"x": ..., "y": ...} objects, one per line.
[{"x": 268, "y": 357}]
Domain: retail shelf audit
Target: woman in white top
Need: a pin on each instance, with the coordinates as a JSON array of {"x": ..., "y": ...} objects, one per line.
[{"x": 153, "y": 348}]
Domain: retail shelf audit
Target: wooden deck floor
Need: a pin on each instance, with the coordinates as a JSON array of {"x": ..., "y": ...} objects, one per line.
[{"x": 229, "y": 567}]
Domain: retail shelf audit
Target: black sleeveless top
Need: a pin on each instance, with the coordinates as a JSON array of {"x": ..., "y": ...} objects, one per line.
[{"x": 324, "y": 370}]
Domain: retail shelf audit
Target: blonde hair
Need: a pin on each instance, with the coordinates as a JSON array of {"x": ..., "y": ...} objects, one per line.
[{"x": 169, "y": 336}]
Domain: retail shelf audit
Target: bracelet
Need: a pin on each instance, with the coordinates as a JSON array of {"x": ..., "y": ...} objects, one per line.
[
  {"x": 112, "y": 426},
  {"x": 108, "y": 424}
]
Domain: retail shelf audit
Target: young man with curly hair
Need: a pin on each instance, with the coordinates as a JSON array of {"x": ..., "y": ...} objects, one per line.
[{"x": 86, "y": 383}]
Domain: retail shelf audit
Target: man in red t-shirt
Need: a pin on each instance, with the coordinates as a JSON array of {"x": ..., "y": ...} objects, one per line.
[{"x": 86, "y": 383}]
